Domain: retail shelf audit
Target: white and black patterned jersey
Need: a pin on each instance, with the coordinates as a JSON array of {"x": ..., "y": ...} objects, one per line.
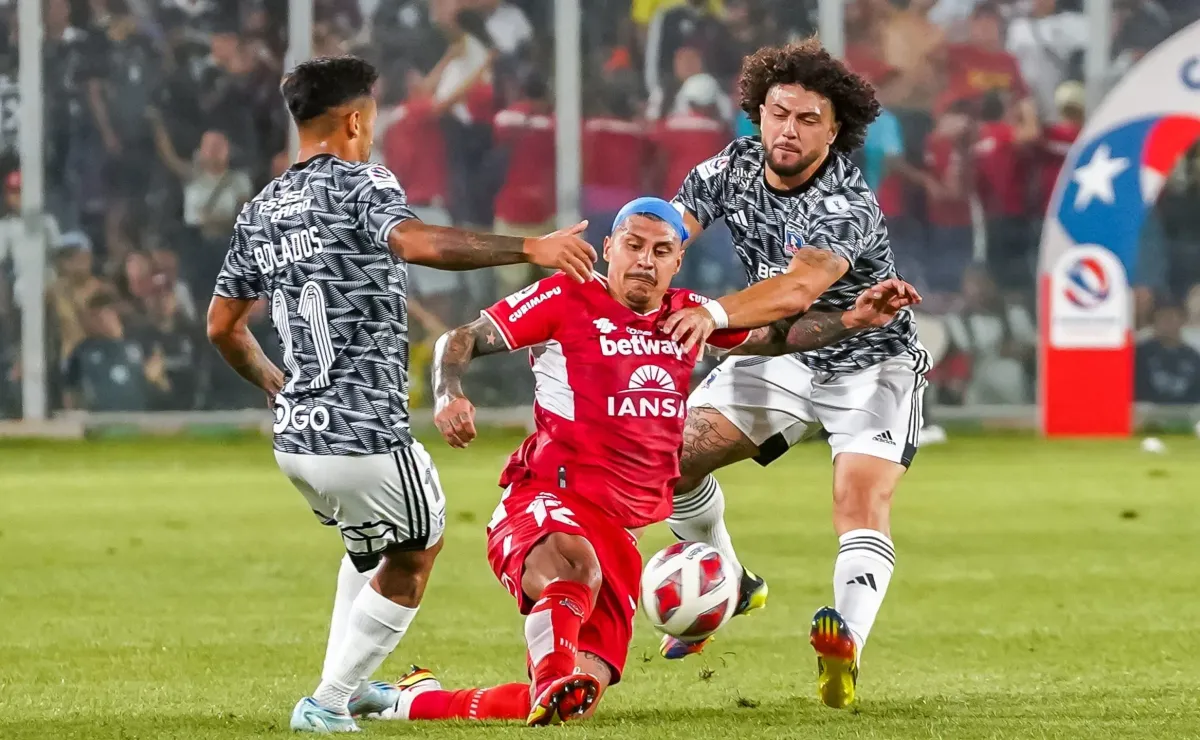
[
  {"x": 314, "y": 243},
  {"x": 835, "y": 211}
]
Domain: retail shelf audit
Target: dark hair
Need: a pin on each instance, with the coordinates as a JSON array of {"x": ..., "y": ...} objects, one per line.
[
  {"x": 809, "y": 65},
  {"x": 319, "y": 85},
  {"x": 991, "y": 107},
  {"x": 101, "y": 301}
]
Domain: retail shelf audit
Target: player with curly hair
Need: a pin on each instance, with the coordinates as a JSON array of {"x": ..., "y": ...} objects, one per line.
[{"x": 811, "y": 236}]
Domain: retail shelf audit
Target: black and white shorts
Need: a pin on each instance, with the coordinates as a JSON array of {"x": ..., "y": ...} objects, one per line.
[
  {"x": 778, "y": 401},
  {"x": 391, "y": 500}
]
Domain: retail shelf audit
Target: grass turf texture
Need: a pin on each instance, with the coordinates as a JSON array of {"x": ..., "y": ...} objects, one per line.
[{"x": 158, "y": 588}]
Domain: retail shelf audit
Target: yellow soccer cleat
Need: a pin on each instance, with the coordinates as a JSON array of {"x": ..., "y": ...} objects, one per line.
[
  {"x": 566, "y": 699},
  {"x": 837, "y": 658}
]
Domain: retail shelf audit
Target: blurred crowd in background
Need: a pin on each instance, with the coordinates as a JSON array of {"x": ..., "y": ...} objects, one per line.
[{"x": 162, "y": 117}]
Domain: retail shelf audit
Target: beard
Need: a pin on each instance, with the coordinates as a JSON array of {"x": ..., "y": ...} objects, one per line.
[{"x": 803, "y": 162}]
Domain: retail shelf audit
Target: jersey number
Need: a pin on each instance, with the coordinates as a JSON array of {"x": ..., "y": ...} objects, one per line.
[{"x": 311, "y": 308}]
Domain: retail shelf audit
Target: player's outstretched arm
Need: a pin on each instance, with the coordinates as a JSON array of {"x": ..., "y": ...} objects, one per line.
[
  {"x": 810, "y": 274},
  {"x": 454, "y": 414},
  {"x": 817, "y": 328},
  {"x": 448, "y": 248},
  {"x": 228, "y": 332}
]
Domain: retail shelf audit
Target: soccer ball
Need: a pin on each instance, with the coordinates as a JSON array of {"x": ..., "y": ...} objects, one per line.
[{"x": 689, "y": 590}]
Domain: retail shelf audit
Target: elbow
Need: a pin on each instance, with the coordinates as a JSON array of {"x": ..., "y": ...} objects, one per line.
[
  {"x": 794, "y": 303},
  {"x": 219, "y": 334}
]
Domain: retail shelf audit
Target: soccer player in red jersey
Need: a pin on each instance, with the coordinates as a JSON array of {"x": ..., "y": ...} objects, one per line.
[{"x": 610, "y": 405}]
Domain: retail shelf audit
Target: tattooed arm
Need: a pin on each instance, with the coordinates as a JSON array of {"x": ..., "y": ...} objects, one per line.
[
  {"x": 228, "y": 332},
  {"x": 875, "y": 307},
  {"x": 454, "y": 414},
  {"x": 456, "y": 249},
  {"x": 813, "y": 329}
]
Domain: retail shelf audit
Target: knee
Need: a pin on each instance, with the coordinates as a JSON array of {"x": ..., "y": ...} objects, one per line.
[
  {"x": 565, "y": 557},
  {"x": 862, "y": 502}
]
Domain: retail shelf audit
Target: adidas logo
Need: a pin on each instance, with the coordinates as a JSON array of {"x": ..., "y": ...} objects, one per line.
[
  {"x": 867, "y": 579},
  {"x": 884, "y": 437}
]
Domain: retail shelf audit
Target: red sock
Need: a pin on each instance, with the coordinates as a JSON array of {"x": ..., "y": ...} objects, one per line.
[
  {"x": 552, "y": 630},
  {"x": 510, "y": 701}
]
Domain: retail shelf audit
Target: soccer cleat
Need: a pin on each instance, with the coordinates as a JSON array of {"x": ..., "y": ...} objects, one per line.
[
  {"x": 309, "y": 716},
  {"x": 753, "y": 595},
  {"x": 837, "y": 658},
  {"x": 565, "y": 699},
  {"x": 416, "y": 682},
  {"x": 376, "y": 697}
]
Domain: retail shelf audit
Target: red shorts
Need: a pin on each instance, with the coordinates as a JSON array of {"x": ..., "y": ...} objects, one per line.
[{"x": 528, "y": 513}]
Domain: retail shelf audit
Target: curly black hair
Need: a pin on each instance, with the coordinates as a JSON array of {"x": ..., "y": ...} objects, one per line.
[{"x": 809, "y": 65}]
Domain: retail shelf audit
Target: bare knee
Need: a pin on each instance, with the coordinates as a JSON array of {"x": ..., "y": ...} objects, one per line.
[
  {"x": 863, "y": 487},
  {"x": 403, "y": 574},
  {"x": 561, "y": 557}
]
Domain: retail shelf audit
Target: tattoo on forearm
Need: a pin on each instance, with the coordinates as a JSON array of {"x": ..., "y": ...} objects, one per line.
[
  {"x": 456, "y": 348},
  {"x": 245, "y": 356},
  {"x": 816, "y": 329},
  {"x": 456, "y": 249}
]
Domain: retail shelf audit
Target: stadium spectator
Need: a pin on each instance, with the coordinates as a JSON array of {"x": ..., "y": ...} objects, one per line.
[
  {"x": 910, "y": 43},
  {"x": 107, "y": 371},
  {"x": 169, "y": 339},
  {"x": 1191, "y": 327},
  {"x": 69, "y": 293},
  {"x": 507, "y": 25},
  {"x": 951, "y": 244},
  {"x": 1167, "y": 369},
  {"x": 691, "y": 24},
  {"x": 615, "y": 149},
  {"x": 998, "y": 338},
  {"x": 213, "y": 193},
  {"x": 525, "y": 203},
  {"x": 1001, "y": 160},
  {"x": 17, "y": 245},
  {"x": 695, "y": 130},
  {"x": 980, "y": 65},
  {"x": 414, "y": 149},
  {"x": 1048, "y": 44},
  {"x": 1056, "y": 141}
]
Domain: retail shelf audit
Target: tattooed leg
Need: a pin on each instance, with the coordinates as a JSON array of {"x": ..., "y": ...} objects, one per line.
[{"x": 710, "y": 441}]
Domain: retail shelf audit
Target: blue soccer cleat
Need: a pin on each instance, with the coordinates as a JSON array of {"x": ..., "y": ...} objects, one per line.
[
  {"x": 837, "y": 658},
  {"x": 372, "y": 699},
  {"x": 309, "y": 716},
  {"x": 753, "y": 592}
]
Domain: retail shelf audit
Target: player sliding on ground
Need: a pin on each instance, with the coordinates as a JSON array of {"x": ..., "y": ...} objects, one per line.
[
  {"x": 810, "y": 234},
  {"x": 328, "y": 242},
  {"x": 609, "y": 409}
]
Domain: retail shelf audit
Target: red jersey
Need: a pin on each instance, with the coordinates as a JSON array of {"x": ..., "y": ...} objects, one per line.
[
  {"x": 975, "y": 71},
  {"x": 610, "y": 398},
  {"x": 614, "y": 152},
  {"x": 1001, "y": 177},
  {"x": 941, "y": 154},
  {"x": 528, "y": 194},
  {"x": 1056, "y": 142},
  {"x": 686, "y": 140},
  {"x": 414, "y": 149}
]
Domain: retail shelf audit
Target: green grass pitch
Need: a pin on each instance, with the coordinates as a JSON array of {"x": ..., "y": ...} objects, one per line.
[{"x": 180, "y": 589}]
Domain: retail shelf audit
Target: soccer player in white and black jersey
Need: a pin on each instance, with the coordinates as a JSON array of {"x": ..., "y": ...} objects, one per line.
[
  {"x": 811, "y": 236},
  {"x": 328, "y": 244}
]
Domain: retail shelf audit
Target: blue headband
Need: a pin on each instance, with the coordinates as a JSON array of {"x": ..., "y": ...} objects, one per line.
[{"x": 653, "y": 207}]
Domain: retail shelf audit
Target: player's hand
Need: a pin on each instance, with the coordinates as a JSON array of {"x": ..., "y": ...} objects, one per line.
[
  {"x": 564, "y": 250},
  {"x": 691, "y": 327},
  {"x": 455, "y": 419},
  {"x": 879, "y": 304}
]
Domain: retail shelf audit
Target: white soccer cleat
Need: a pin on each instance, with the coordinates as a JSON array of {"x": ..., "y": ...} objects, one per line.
[{"x": 309, "y": 716}]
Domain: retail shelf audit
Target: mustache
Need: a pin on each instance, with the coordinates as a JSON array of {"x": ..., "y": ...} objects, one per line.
[{"x": 639, "y": 275}]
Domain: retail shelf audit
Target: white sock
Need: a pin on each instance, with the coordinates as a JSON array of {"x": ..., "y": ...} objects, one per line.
[
  {"x": 349, "y": 583},
  {"x": 861, "y": 575},
  {"x": 373, "y": 630},
  {"x": 699, "y": 516}
]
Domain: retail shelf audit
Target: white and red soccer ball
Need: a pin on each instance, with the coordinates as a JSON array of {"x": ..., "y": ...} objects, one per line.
[{"x": 689, "y": 590}]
